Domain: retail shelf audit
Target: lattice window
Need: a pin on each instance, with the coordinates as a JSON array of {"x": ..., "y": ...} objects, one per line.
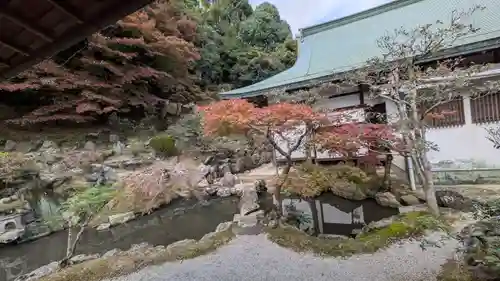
[
  {"x": 448, "y": 114},
  {"x": 485, "y": 108}
]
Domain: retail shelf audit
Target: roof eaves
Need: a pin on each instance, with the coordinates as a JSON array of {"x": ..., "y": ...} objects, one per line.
[
  {"x": 293, "y": 86},
  {"x": 396, "y": 4},
  {"x": 330, "y": 76}
]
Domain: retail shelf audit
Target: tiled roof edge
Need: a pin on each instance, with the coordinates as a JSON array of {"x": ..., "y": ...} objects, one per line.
[{"x": 396, "y": 4}]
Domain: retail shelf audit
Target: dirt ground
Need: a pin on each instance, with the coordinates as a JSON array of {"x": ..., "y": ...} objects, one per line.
[{"x": 482, "y": 192}]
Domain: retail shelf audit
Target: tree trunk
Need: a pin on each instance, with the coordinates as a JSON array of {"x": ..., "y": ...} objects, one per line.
[
  {"x": 419, "y": 147},
  {"x": 71, "y": 245},
  {"x": 277, "y": 191},
  {"x": 428, "y": 185},
  {"x": 387, "y": 172}
]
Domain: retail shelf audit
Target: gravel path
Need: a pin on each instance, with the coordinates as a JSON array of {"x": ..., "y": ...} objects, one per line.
[{"x": 254, "y": 258}]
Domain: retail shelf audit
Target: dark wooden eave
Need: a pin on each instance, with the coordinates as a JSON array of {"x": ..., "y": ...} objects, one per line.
[{"x": 33, "y": 30}]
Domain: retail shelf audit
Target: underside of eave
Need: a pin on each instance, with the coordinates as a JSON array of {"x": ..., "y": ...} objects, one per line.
[{"x": 74, "y": 35}]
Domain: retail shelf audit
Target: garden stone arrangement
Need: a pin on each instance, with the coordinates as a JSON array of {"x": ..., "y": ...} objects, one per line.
[
  {"x": 36, "y": 170},
  {"x": 126, "y": 164}
]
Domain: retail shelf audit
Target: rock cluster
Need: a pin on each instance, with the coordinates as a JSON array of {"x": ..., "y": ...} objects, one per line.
[
  {"x": 482, "y": 241},
  {"x": 136, "y": 250},
  {"x": 402, "y": 195},
  {"x": 239, "y": 160},
  {"x": 250, "y": 216},
  {"x": 104, "y": 159},
  {"x": 395, "y": 197}
]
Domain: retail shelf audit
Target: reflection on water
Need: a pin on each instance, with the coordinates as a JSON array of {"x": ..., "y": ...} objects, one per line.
[
  {"x": 330, "y": 214},
  {"x": 181, "y": 220}
]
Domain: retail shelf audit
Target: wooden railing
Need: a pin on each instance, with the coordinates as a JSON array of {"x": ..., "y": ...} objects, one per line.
[
  {"x": 485, "y": 108},
  {"x": 448, "y": 114}
]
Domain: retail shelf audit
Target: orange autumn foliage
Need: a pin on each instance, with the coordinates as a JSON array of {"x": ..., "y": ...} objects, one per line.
[{"x": 239, "y": 116}]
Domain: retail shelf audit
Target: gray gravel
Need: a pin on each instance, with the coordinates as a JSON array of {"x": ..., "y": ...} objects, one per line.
[{"x": 254, "y": 258}]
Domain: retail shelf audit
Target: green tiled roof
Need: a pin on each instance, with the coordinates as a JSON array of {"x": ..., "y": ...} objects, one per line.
[{"x": 347, "y": 43}]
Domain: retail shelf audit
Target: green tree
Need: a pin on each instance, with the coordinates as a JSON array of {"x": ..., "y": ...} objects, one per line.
[
  {"x": 79, "y": 210},
  {"x": 264, "y": 28},
  {"x": 240, "y": 46}
]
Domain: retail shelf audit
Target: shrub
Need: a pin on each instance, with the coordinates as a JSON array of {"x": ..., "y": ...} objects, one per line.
[
  {"x": 146, "y": 189},
  {"x": 11, "y": 164},
  {"x": 187, "y": 132},
  {"x": 164, "y": 144},
  {"x": 137, "y": 147},
  {"x": 310, "y": 180},
  {"x": 408, "y": 225}
]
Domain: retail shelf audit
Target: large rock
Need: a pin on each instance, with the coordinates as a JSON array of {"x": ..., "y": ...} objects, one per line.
[
  {"x": 40, "y": 272},
  {"x": 454, "y": 200},
  {"x": 223, "y": 226},
  {"x": 118, "y": 148},
  {"x": 83, "y": 258},
  {"x": 102, "y": 174},
  {"x": 249, "y": 201},
  {"x": 410, "y": 200},
  {"x": 181, "y": 245},
  {"x": 224, "y": 192},
  {"x": 249, "y": 224},
  {"x": 49, "y": 144},
  {"x": 90, "y": 146},
  {"x": 121, "y": 218},
  {"x": 348, "y": 191},
  {"x": 125, "y": 162},
  {"x": 378, "y": 224},
  {"x": 229, "y": 180},
  {"x": 243, "y": 164},
  {"x": 387, "y": 199},
  {"x": 172, "y": 108},
  {"x": 9, "y": 145}
]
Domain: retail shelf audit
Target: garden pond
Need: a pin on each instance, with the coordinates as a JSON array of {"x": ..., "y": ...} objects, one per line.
[{"x": 180, "y": 220}]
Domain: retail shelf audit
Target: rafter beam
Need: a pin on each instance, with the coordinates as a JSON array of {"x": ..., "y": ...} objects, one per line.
[
  {"x": 19, "y": 20},
  {"x": 14, "y": 47},
  {"x": 118, "y": 10},
  {"x": 67, "y": 10}
]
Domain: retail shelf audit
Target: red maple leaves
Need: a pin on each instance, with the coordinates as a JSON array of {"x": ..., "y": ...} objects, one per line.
[{"x": 239, "y": 116}]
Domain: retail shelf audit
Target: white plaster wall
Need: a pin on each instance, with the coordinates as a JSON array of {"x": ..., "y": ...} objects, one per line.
[
  {"x": 334, "y": 103},
  {"x": 464, "y": 143},
  {"x": 345, "y": 101},
  {"x": 458, "y": 144}
]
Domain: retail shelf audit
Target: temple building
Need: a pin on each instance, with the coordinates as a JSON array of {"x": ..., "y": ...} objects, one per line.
[{"x": 332, "y": 48}]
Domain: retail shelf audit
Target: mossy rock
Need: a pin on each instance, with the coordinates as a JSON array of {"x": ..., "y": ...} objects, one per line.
[
  {"x": 129, "y": 262},
  {"x": 482, "y": 255},
  {"x": 408, "y": 225},
  {"x": 454, "y": 270},
  {"x": 164, "y": 145}
]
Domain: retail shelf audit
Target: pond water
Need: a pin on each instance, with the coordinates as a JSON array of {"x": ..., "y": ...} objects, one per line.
[
  {"x": 180, "y": 220},
  {"x": 330, "y": 214}
]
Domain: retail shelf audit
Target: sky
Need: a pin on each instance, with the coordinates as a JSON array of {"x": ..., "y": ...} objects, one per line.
[{"x": 304, "y": 13}]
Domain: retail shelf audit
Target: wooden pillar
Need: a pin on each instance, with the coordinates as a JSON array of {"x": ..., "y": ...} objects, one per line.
[{"x": 361, "y": 90}]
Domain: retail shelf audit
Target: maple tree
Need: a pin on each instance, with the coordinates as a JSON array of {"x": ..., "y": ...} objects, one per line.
[
  {"x": 170, "y": 53},
  {"x": 293, "y": 123},
  {"x": 239, "y": 116},
  {"x": 137, "y": 66},
  {"x": 421, "y": 91}
]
